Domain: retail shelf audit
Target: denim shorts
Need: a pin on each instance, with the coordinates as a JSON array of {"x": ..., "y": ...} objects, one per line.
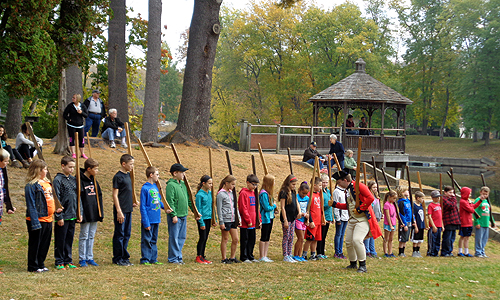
[{"x": 388, "y": 228}]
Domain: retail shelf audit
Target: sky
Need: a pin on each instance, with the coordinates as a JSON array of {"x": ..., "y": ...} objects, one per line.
[{"x": 176, "y": 14}]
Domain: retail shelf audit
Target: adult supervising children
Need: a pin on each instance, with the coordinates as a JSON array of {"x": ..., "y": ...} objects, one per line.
[{"x": 97, "y": 112}]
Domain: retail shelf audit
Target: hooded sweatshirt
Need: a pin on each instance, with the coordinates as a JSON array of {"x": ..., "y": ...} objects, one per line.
[
  {"x": 246, "y": 207},
  {"x": 65, "y": 189},
  {"x": 177, "y": 197},
  {"x": 150, "y": 205},
  {"x": 89, "y": 208},
  {"x": 466, "y": 209}
]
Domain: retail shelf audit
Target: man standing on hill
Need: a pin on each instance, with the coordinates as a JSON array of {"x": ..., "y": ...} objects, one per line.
[{"x": 97, "y": 112}]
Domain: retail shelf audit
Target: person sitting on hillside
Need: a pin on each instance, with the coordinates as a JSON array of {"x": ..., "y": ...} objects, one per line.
[
  {"x": 349, "y": 123},
  {"x": 363, "y": 124},
  {"x": 310, "y": 155},
  {"x": 25, "y": 146},
  {"x": 113, "y": 128}
]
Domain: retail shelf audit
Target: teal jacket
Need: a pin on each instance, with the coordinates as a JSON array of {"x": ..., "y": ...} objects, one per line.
[
  {"x": 328, "y": 208},
  {"x": 266, "y": 209},
  {"x": 204, "y": 205},
  {"x": 177, "y": 198}
]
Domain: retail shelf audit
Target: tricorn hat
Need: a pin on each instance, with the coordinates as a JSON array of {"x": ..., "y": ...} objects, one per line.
[{"x": 339, "y": 175}]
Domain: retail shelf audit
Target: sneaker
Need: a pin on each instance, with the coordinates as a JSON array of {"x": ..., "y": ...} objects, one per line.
[
  {"x": 247, "y": 261},
  {"x": 60, "y": 267},
  {"x": 84, "y": 156},
  {"x": 298, "y": 258},
  {"x": 362, "y": 269},
  {"x": 392, "y": 255},
  {"x": 448, "y": 255},
  {"x": 122, "y": 263},
  {"x": 200, "y": 260},
  {"x": 342, "y": 256},
  {"x": 158, "y": 263},
  {"x": 71, "y": 266},
  {"x": 91, "y": 262},
  {"x": 45, "y": 269},
  {"x": 16, "y": 164},
  {"x": 419, "y": 255},
  {"x": 313, "y": 257},
  {"x": 255, "y": 260},
  {"x": 73, "y": 155},
  {"x": 83, "y": 263},
  {"x": 289, "y": 259},
  {"x": 112, "y": 144},
  {"x": 178, "y": 262},
  {"x": 226, "y": 261},
  {"x": 25, "y": 164},
  {"x": 146, "y": 264},
  {"x": 336, "y": 256},
  {"x": 414, "y": 254},
  {"x": 387, "y": 255},
  {"x": 124, "y": 145},
  {"x": 235, "y": 260},
  {"x": 369, "y": 255},
  {"x": 468, "y": 255},
  {"x": 206, "y": 260},
  {"x": 402, "y": 255},
  {"x": 461, "y": 254},
  {"x": 267, "y": 259}
]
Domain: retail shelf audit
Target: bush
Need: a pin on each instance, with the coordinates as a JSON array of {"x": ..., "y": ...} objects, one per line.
[{"x": 411, "y": 131}]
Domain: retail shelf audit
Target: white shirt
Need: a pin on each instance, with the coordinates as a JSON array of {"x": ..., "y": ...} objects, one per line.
[{"x": 339, "y": 196}]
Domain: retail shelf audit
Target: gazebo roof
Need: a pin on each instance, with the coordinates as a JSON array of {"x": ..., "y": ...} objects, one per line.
[{"x": 360, "y": 87}]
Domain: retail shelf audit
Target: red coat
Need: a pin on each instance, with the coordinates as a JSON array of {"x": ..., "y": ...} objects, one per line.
[
  {"x": 246, "y": 207},
  {"x": 365, "y": 199},
  {"x": 466, "y": 209}
]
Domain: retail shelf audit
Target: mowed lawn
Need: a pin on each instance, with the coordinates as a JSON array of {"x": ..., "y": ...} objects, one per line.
[{"x": 400, "y": 278}]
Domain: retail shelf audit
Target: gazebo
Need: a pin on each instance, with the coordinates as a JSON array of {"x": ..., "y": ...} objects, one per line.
[{"x": 361, "y": 91}]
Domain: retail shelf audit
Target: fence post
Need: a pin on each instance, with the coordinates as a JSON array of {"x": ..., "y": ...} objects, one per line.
[
  {"x": 243, "y": 137},
  {"x": 278, "y": 138},
  {"x": 249, "y": 136},
  {"x": 312, "y": 134}
]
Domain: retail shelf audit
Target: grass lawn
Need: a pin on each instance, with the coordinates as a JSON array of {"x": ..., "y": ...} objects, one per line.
[
  {"x": 451, "y": 147},
  {"x": 408, "y": 278}
]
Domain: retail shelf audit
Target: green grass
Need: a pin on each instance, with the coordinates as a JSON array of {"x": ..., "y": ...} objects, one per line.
[{"x": 451, "y": 147}]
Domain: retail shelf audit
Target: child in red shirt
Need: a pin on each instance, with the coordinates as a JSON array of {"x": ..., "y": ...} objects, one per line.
[
  {"x": 435, "y": 224},
  {"x": 313, "y": 231},
  {"x": 248, "y": 213},
  {"x": 466, "y": 210}
]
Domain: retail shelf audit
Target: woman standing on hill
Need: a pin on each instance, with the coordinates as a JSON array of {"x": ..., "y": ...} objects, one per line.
[{"x": 74, "y": 114}]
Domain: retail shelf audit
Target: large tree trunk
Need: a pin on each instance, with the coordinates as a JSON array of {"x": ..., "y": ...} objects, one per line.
[
  {"x": 69, "y": 84},
  {"x": 194, "y": 112},
  {"x": 117, "y": 60},
  {"x": 149, "y": 131},
  {"x": 441, "y": 130},
  {"x": 14, "y": 117},
  {"x": 474, "y": 135}
]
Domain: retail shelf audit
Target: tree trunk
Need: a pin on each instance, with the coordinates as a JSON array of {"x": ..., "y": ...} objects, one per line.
[
  {"x": 149, "y": 132},
  {"x": 474, "y": 135},
  {"x": 14, "y": 117},
  {"x": 69, "y": 84},
  {"x": 194, "y": 112},
  {"x": 441, "y": 130},
  {"x": 117, "y": 60}
]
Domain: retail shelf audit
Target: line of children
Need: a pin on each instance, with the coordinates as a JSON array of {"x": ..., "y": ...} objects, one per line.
[
  {"x": 204, "y": 204},
  {"x": 267, "y": 208},
  {"x": 300, "y": 227},
  {"x": 417, "y": 236},
  {"x": 247, "y": 209}
]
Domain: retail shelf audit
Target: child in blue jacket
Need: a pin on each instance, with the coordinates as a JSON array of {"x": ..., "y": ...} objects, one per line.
[
  {"x": 267, "y": 207},
  {"x": 204, "y": 205},
  {"x": 150, "y": 208}
]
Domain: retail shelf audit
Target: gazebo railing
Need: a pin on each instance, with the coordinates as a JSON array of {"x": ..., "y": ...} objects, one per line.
[{"x": 280, "y": 137}]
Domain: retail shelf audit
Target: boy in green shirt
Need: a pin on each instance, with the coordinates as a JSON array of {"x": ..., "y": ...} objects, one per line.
[{"x": 482, "y": 224}]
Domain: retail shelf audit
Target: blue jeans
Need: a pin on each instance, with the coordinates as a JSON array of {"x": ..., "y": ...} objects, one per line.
[
  {"x": 341, "y": 163},
  {"x": 311, "y": 162},
  {"x": 370, "y": 246},
  {"x": 339, "y": 236},
  {"x": 448, "y": 240},
  {"x": 149, "y": 248},
  {"x": 94, "y": 121},
  {"x": 482, "y": 235},
  {"x": 434, "y": 240},
  {"x": 121, "y": 237},
  {"x": 176, "y": 238},
  {"x": 110, "y": 134}
]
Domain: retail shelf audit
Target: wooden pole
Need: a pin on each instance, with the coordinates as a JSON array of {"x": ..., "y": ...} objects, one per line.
[
  {"x": 376, "y": 180},
  {"x": 358, "y": 173},
  {"x": 214, "y": 202},
  {"x": 364, "y": 172},
  {"x": 263, "y": 161},
  {"x": 256, "y": 192},
  {"x": 132, "y": 173},
  {"x": 330, "y": 183},
  {"x": 88, "y": 143},
  {"x": 492, "y": 222},
  {"x": 322, "y": 197},
  {"x": 316, "y": 165},
  {"x": 336, "y": 162},
  {"x": 290, "y": 160},
  {"x": 426, "y": 221},
  {"x": 441, "y": 189},
  {"x": 40, "y": 156},
  {"x": 188, "y": 187},
  {"x": 78, "y": 179},
  {"x": 168, "y": 209},
  {"x": 235, "y": 195},
  {"x": 411, "y": 196},
  {"x": 455, "y": 183}
]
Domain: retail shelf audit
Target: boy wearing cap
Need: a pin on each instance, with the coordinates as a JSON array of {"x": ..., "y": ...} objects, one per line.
[
  {"x": 177, "y": 197},
  {"x": 310, "y": 155},
  {"x": 122, "y": 210},
  {"x": 96, "y": 112},
  {"x": 435, "y": 224}
]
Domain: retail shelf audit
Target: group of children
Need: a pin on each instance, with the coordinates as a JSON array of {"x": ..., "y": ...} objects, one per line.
[{"x": 305, "y": 212}]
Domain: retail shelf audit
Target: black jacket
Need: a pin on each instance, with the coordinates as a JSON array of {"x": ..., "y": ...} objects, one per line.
[
  {"x": 89, "y": 208},
  {"x": 103, "y": 110},
  {"x": 310, "y": 154},
  {"x": 338, "y": 149},
  {"x": 65, "y": 189},
  {"x": 73, "y": 117},
  {"x": 115, "y": 124}
]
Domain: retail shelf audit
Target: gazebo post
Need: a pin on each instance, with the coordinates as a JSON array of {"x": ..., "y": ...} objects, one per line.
[
  {"x": 315, "y": 114},
  {"x": 382, "y": 139},
  {"x": 404, "y": 129},
  {"x": 343, "y": 123},
  {"x": 398, "y": 118}
]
